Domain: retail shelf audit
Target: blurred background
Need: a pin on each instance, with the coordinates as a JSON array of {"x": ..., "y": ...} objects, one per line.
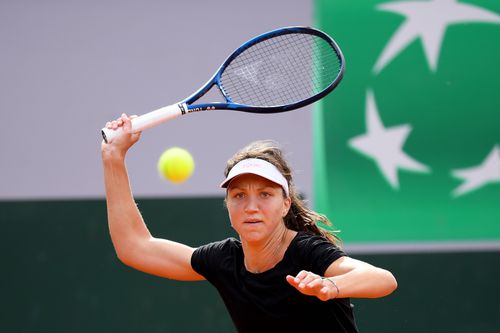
[{"x": 404, "y": 157}]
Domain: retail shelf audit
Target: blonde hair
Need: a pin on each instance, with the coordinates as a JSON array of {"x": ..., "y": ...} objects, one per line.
[{"x": 299, "y": 216}]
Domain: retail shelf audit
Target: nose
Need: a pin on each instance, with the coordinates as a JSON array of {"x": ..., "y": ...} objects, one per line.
[{"x": 251, "y": 205}]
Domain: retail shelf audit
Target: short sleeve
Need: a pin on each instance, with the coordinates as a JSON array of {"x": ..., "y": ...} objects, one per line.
[
  {"x": 209, "y": 259},
  {"x": 318, "y": 253}
]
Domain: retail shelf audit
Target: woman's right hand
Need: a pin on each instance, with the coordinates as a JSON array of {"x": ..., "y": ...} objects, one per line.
[{"x": 122, "y": 143}]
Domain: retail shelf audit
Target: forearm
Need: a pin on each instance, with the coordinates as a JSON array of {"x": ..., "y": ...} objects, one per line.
[
  {"x": 363, "y": 282},
  {"x": 125, "y": 222}
]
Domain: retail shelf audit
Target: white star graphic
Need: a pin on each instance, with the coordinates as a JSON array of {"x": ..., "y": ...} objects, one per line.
[
  {"x": 385, "y": 145},
  {"x": 249, "y": 72},
  {"x": 479, "y": 176},
  {"x": 428, "y": 20}
]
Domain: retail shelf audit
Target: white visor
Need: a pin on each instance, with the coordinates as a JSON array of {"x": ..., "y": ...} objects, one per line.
[{"x": 257, "y": 167}]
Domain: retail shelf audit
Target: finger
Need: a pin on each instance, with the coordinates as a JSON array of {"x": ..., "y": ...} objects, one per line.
[
  {"x": 123, "y": 118},
  {"x": 318, "y": 289},
  {"x": 291, "y": 279},
  {"x": 301, "y": 276},
  {"x": 127, "y": 124},
  {"x": 316, "y": 283},
  {"x": 308, "y": 279},
  {"x": 323, "y": 294}
]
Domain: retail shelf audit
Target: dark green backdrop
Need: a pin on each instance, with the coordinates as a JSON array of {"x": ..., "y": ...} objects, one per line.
[{"x": 60, "y": 274}]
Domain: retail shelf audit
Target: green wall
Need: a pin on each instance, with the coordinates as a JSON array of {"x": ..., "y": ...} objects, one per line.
[
  {"x": 411, "y": 152},
  {"x": 60, "y": 274}
]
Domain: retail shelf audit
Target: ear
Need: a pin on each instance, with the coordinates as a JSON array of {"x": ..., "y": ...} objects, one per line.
[{"x": 287, "y": 203}]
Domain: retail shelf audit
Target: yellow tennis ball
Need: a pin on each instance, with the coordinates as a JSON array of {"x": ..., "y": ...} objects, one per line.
[{"x": 176, "y": 165}]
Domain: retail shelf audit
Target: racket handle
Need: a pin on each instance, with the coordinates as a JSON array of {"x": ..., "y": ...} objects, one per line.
[{"x": 147, "y": 120}]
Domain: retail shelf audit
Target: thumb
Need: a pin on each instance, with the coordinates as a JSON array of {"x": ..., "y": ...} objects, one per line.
[
  {"x": 291, "y": 280},
  {"x": 127, "y": 123}
]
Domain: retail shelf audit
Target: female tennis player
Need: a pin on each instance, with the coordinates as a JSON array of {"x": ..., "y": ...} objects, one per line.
[{"x": 283, "y": 274}]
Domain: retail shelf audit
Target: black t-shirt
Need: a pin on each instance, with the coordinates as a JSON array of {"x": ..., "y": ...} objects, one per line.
[{"x": 266, "y": 302}]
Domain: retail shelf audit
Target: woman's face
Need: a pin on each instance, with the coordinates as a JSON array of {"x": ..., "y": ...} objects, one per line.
[{"x": 256, "y": 207}]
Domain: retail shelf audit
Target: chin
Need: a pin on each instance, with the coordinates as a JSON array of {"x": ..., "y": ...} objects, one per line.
[{"x": 251, "y": 236}]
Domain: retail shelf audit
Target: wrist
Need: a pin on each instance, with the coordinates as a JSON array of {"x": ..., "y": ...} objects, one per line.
[
  {"x": 111, "y": 153},
  {"x": 336, "y": 289}
]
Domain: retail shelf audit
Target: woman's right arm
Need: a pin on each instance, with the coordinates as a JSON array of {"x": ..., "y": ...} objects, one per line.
[{"x": 133, "y": 243}]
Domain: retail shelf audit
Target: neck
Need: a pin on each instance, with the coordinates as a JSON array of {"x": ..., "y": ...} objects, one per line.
[{"x": 260, "y": 257}]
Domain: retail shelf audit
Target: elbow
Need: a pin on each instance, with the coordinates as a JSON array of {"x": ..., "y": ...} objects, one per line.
[
  {"x": 129, "y": 250},
  {"x": 127, "y": 254},
  {"x": 390, "y": 282},
  {"x": 124, "y": 258},
  {"x": 121, "y": 252}
]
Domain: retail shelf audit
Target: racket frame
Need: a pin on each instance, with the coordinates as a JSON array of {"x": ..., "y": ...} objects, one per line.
[{"x": 230, "y": 105}]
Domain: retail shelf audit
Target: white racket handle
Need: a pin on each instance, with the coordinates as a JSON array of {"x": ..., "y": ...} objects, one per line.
[{"x": 147, "y": 120}]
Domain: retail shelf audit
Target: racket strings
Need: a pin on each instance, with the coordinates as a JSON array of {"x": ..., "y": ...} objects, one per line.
[{"x": 281, "y": 70}]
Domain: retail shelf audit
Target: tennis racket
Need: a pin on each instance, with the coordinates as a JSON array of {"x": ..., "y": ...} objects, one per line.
[{"x": 280, "y": 70}]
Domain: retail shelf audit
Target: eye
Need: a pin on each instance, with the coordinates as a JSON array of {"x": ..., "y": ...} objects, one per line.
[
  {"x": 265, "y": 194},
  {"x": 238, "y": 195}
]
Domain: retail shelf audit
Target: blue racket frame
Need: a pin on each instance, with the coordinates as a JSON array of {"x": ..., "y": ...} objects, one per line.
[{"x": 230, "y": 105}]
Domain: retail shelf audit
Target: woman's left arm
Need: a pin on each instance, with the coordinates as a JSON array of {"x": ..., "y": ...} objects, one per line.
[{"x": 346, "y": 277}]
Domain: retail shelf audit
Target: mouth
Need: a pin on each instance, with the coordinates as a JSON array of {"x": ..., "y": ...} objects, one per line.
[{"x": 252, "y": 221}]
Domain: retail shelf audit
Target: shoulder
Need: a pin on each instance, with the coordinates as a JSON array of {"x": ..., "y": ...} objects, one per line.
[
  {"x": 307, "y": 240},
  {"x": 316, "y": 252},
  {"x": 208, "y": 259},
  {"x": 226, "y": 245}
]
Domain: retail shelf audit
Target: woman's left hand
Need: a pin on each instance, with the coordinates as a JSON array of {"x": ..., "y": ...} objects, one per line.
[{"x": 313, "y": 285}]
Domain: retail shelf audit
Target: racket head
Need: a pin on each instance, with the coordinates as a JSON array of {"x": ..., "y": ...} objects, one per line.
[{"x": 280, "y": 70}]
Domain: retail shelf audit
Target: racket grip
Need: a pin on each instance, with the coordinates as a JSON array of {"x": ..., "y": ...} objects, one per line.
[{"x": 147, "y": 120}]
